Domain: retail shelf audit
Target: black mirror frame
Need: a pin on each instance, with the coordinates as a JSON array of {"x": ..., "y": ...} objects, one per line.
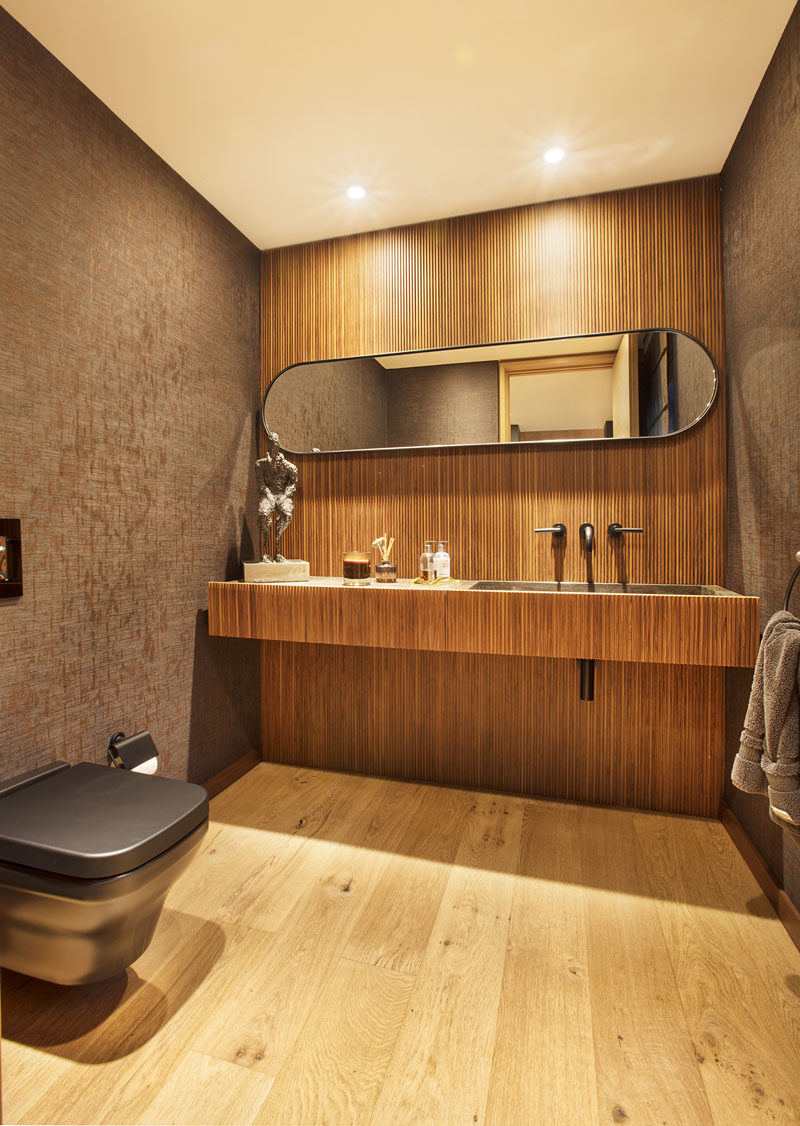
[{"x": 495, "y": 344}]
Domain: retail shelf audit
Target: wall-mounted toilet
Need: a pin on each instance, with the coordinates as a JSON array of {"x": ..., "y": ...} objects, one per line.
[{"x": 87, "y": 856}]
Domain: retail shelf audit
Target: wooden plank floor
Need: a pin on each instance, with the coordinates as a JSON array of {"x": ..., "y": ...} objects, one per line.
[{"x": 348, "y": 949}]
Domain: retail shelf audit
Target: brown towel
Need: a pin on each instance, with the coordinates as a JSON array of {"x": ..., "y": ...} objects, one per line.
[{"x": 768, "y": 761}]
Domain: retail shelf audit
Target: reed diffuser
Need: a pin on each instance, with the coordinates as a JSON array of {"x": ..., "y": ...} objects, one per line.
[{"x": 385, "y": 571}]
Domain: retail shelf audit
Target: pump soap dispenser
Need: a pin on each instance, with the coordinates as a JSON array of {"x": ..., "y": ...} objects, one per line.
[{"x": 441, "y": 562}]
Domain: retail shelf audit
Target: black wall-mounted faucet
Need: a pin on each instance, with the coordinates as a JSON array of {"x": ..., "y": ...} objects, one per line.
[{"x": 586, "y": 532}]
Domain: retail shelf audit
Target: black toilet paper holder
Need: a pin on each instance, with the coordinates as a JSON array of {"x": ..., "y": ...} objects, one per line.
[{"x": 129, "y": 751}]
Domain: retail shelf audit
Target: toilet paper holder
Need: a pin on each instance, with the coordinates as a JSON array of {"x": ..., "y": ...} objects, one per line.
[{"x": 133, "y": 752}]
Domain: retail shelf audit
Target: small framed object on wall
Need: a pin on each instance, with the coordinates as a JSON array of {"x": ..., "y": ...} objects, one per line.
[{"x": 10, "y": 559}]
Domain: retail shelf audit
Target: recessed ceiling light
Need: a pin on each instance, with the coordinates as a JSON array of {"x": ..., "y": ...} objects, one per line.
[
  {"x": 552, "y": 156},
  {"x": 356, "y": 192}
]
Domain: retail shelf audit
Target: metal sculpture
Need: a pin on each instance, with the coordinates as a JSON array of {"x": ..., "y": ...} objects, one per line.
[{"x": 277, "y": 482}]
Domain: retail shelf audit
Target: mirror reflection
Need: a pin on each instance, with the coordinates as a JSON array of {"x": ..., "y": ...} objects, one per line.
[{"x": 624, "y": 385}]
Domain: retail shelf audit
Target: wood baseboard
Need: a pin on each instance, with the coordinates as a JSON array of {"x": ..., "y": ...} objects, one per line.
[
  {"x": 231, "y": 773},
  {"x": 784, "y": 908}
]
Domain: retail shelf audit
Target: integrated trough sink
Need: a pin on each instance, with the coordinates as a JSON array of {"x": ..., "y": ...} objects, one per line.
[{"x": 600, "y": 588}]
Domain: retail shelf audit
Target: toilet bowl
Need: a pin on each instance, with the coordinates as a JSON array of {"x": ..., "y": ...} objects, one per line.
[{"x": 87, "y": 856}]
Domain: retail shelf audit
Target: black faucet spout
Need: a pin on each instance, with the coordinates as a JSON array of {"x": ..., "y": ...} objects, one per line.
[{"x": 586, "y": 532}]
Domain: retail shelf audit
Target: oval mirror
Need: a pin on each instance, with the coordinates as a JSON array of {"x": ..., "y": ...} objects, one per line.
[{"x": 610, "y": 386}]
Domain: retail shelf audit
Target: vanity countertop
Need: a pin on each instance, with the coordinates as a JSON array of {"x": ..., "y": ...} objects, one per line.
[
  {"x": 337, "y": 581},
  {"x": 670, "y": 625},
  {"x": 518, "y": 586}
]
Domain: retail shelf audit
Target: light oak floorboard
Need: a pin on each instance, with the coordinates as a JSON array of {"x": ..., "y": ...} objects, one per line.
[
  {"x": 257, "y": 877},
  {"x": 388, "y": 934},
  {"x": 122, "y": 1062},
  {"x": 259, "y": 1025},
  {"x": 336, "y": 1069},
  {"x": 276, "y": 796},
  {"x": 202, "y": 1090},
  {"x": 774, "y": 954},
  {"x": 29, "y": 1072},
  {"x": 744, "y": 1017},
  {"x": 644, "y": 1056},
  {"x": 353, "y": 950},
  {"x": 543, "y": 1068},
  {"x": 440, "y": 1069}
]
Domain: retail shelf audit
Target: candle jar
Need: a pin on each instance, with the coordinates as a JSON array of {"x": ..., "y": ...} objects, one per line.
[{"x": 356, "y": 568}]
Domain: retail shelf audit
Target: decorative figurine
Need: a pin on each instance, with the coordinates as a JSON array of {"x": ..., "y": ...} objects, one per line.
[{"x": 277, "y": 482}]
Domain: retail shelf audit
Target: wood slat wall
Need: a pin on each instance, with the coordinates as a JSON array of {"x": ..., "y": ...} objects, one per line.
[
  {"x": 514, "y": 724},
  {"x": 627, "y": 260},
  {"x": 641, "y": 258}
]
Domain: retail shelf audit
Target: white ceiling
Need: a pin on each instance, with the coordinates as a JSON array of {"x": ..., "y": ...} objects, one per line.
[{"x": 437, "y": 107}]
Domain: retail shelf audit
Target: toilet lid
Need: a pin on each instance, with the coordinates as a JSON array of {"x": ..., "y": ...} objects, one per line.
[{"x": 95, "y": 821}]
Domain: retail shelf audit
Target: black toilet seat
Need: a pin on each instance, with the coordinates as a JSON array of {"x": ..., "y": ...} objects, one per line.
[{"x": 91, "y": 822}]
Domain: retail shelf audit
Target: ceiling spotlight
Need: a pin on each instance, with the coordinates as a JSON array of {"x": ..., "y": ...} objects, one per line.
[
  {"x": 552, "y": 156},
  {"x": 356, "y": 192}
]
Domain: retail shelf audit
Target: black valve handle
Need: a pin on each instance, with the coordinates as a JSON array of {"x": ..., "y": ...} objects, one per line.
[{"x": 616, "y": 529}]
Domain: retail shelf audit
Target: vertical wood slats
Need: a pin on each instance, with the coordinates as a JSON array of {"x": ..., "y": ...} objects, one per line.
[
  {"x": 647, "y": 741},
  {"x": 623, "y": 261},
  {"x": 655, "y": 629},
  {"x": 643, "y": 258}
]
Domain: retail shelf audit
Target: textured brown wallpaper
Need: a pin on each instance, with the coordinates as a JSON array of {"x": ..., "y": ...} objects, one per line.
[
  {"x": 761, "y": 235},
  {"x": 357, "y": 404},
  {"x": 330, "y": 406},
  {"x": 443, "y": 405},
  {"x": 693, "y": 380},
  {"x": 128, "y": 395}
]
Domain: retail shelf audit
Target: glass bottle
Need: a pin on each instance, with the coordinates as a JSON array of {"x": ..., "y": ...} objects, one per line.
[{"x": 426, "y": 562}]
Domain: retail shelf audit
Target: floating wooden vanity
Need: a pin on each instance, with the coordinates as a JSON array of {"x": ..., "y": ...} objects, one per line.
[
  {"x": 475, "y": 688},
  {"x": 717, "y": 629}
]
